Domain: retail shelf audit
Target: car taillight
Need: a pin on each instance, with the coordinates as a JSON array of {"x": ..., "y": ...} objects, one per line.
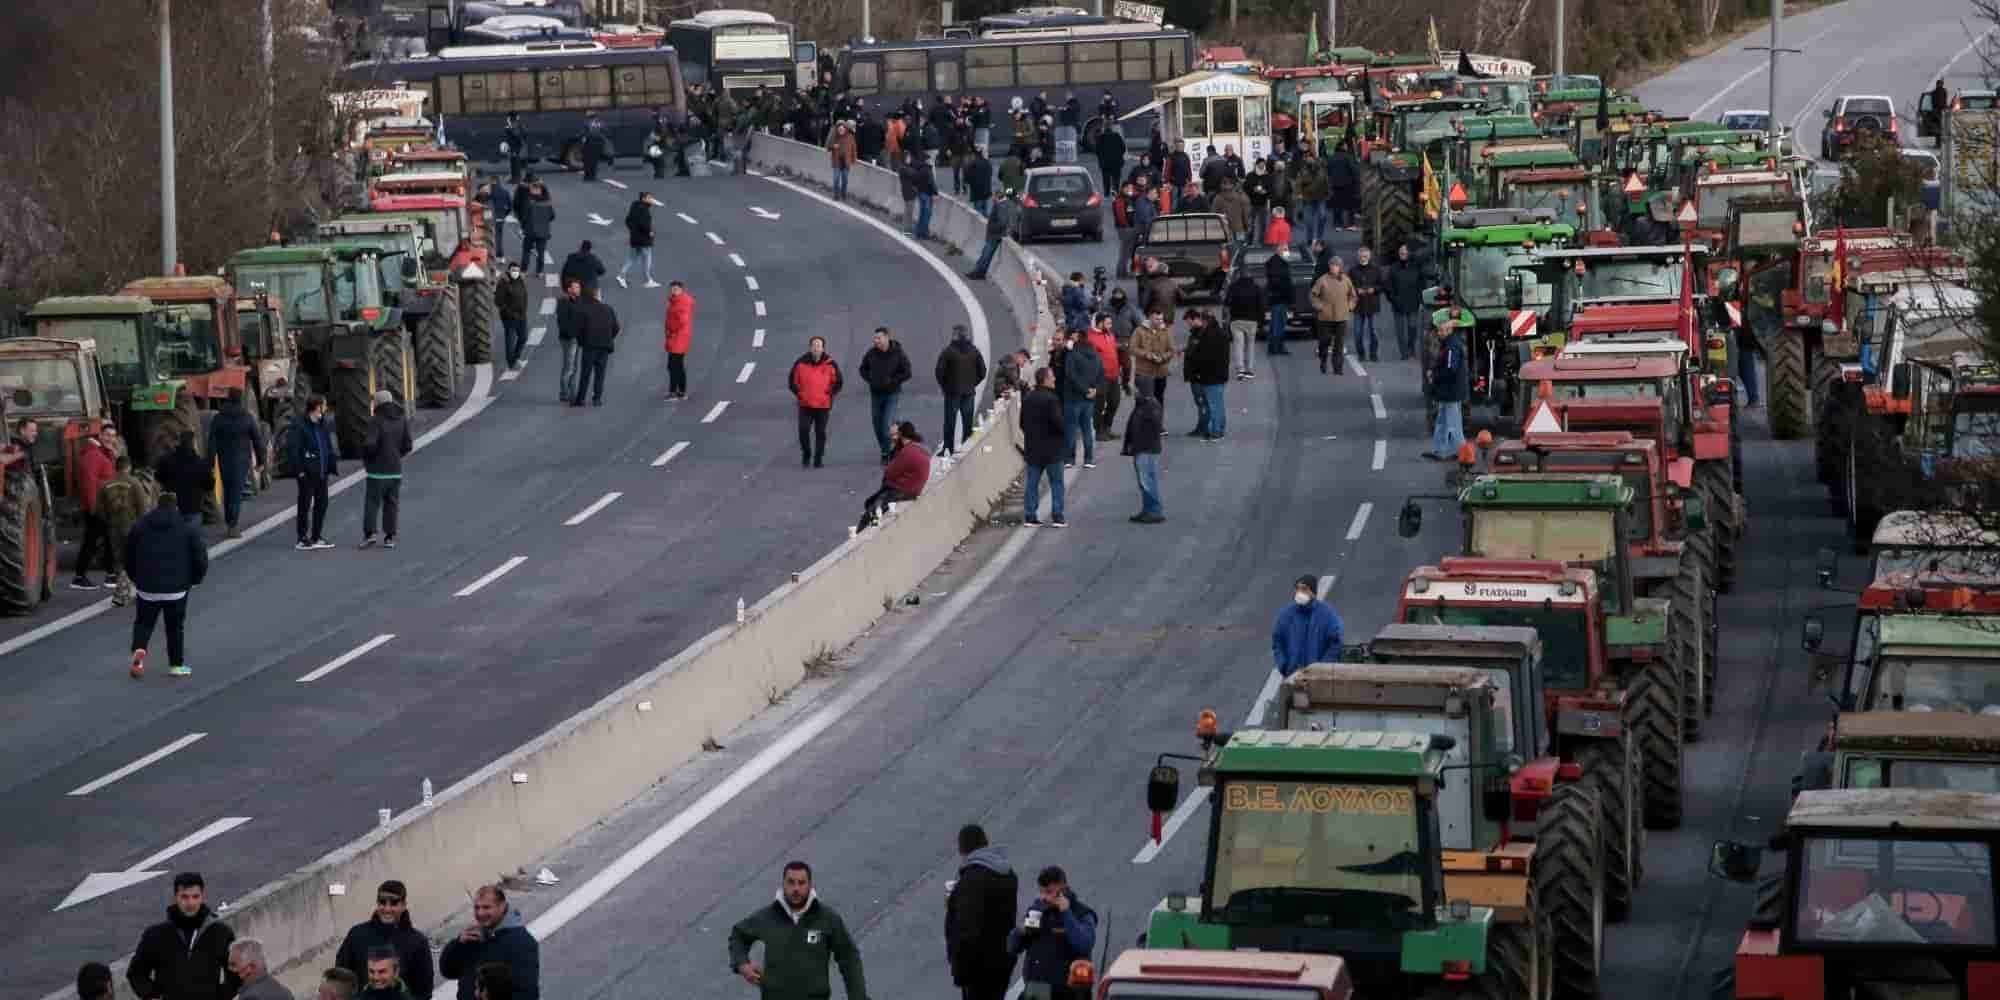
[
  {"x": 1892, "y": 126},
  {"x": 1225, "y": 259},
  {"x": 1028, "y": 201},
  {"x": 1095, "y": 200},
  {"x": 1839, "y": 125}
]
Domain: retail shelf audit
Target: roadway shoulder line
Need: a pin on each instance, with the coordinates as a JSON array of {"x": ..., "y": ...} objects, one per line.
[
  {"x": 668, "y": 455},
  {"x": 480, "y": 584},
  {"x": 715, "y": 411},
  {"x": 137, "y": 765},
  {"x": 744, "y": 375},
  {"x": 585, "y": 514},
  {"x": 346, "y": 658},
  {"x": 1381, "y": 456},
  {"x": 1360, "y": 522}
]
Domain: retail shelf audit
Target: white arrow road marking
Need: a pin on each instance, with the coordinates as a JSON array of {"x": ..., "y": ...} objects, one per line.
[
  {"x": 763, "y": 213},
  {"x": 346, "y": 658},
  {"x": 98, "y": 884},
  {"x": 757, "y": 338},
  {"x": 1381, "y": 456},
  {"x": 535, "y": 335},
  {"x": 143, "y": 762},
  {"x": 584, "y": 515},
  {"x": 750, "y": 280},
  {"x": 620, "y": 185},
  {"x": 712, "y": 238},
  {"x": 744, "y": 375},
  {"x": 552, "y": 280},
  {"x": 480, "y": 584},
  {"x": 1360, "y": 521},
  {"x": 1199, "y": 797},
  {"x": 689, "y": 219},
  {"x": 759, "y": 306},
  {"x": 598, "y": 220},
  {"x": 668, "y": 455},
  {"x": 736, "y": 259},
  {"x": 715, "y": 411}
]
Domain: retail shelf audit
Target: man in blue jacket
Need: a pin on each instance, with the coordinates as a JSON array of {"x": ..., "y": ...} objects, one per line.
[
  {"x": 315, "y": 460},
  {"x": 1057, "y": 930},
  {"x": 1449, "y": 379},
  {"x": 1306, "y": 632}
]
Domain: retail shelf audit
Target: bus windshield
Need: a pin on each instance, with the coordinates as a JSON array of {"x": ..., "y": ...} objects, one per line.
[{"x": 1564, "y": 631}]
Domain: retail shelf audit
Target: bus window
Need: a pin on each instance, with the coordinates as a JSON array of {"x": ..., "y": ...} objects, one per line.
[
  {"x": 1194, "y": 118},
  {"x": 944, "y": 75},
  {"x": 989, "y": 66},
  {"x": 551, "y": 90},
  {"x": 448, "y": 102},
  {"x": 628, "y": 87},
  {"x": 864, "y": 75},
  {"x": 1168, "y": 59},
  {"x": 1042, "y": 65},
  {"x": 659, "y": 85},
  {"x": 1093, "y": 62},
  {"x": 583, "y": 89},
  {"x": 1135, "y": 62},
  {"x": 904, "y": 72}
]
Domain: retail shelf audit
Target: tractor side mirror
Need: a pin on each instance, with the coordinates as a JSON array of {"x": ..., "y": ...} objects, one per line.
[
  {"x": 1163, "y": 789},
  {"x": 1899, "y": 380},
  {"x": 1409, "y": 520},
  {"x": 1515, "y": 295},
  {"x": 1694, "y": 513},
  {"x": 1829, "y": 562},
  {"x": 1812, "y": 633},
  {"x": 1735, "y": 861}
]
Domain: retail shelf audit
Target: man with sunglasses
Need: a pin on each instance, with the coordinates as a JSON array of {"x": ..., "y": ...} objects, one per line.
[{"x": 390, "y": 928}]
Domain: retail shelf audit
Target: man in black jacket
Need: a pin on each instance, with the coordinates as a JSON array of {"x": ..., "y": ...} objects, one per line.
[
  {"x": 1207, "y": 368},
  {"x": 390, "y": 928},
  {"x": 639, "y": 227},
  {"x": 1245, "y": 301},
  {"x": 960, "y": 370},
  {"x": 238, "y": 446},
  {"x": 1143, "y": 431},
  {"x": 979, "y": 910},
  {"x": 583, "y": 266},
  {"x": 1278, "y": 294},
  {"x": 569, "y": 319},
  {"x": 1405, "y": 286},
  {"x": 166, "y": 558},
  {"x": 190, "y": 476},
  {"x": 510, "y": 296},
  {"x": 537, "y": 214},
  {"x": 382, "y": 455},
  {"x": 884, "y": 368},
  {"x": 597, "y": 329},
  {"x": 186, "y": 956},
  {"x": 1042, "y": 449},
  {"x": 1110, "y": 155},
  {"x": 978, "y": 176}
]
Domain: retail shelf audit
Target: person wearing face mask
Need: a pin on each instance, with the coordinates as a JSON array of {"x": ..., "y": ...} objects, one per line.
[
  {"x": 1307, "y": 630},
  {"x": 511, "y": 296}
]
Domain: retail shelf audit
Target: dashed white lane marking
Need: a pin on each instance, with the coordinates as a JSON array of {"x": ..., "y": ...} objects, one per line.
[
  {"x": 759, "y": 305},
  {"x": 584, "y": 515},
  {"x": 744, "y": 375},
  {"x": 737, "y": 259},
  {"x": 480, "y": 584},
  {"x": 1325, "y": 587},
  {"x": 668, "y": 455},
  {"x": 689, "y": 219},
  {"x": 535, "y": 335},
  {"x": 1199, "y": 797},
  {"x": 750, "y": 280},
  {"x": 548, "y": 307},
  {"x": 1375, "y": 400},
  {"x": 757, "y": 338},
  {"x": 620, "y": 185},
  {"x": 1381, "y": 456},
  {"x": 548, "y": 260},
  {"x": 346, "y": 658},
  {"x": 1360, "y": 522},
  {"x": 1358, "y": 370},
  {"x": 552, "y": 280},
  {"x": 715, "y": 411},
  {"x": 137, "y": 765},
  {"x": 712, "y": 238}
]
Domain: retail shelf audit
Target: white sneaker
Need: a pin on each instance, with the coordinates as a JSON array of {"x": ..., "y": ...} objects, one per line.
[
  {"x": 320, "y": 544},
  {"x": 651, "y": 283},
  {"x": 621, "y": 282}
]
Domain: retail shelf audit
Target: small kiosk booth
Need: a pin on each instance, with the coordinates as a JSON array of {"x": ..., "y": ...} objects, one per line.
[{"x": 1213, "y": 108}]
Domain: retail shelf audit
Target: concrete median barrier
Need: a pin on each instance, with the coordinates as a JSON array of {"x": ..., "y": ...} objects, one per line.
[{"x": 534, "y": 799}]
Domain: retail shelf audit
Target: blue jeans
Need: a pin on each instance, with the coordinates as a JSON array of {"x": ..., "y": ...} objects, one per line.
[
  {"x": 840, "y": 182},
  {"x": 1274, "y": 338},
  {"x": 922, "y": 230},
  {"x": 234, "y": 474},
  {"x": 642, "y": 256},
  {"x": 1450, "y": 430},
  {"x": 986, "y": 257},
  {"x": 1146, "y": 468},
  {"x": 1746, "y": 373},
  {"x": 1406, "y": 334},
  {"x": 882, "y": 413},
  {"x": 1312, "y": 221},
  {"x": 1366, "y": 345},
  {"x": 1031, "y": 498},
  {"x": 957, "y": 410},
  {"x": 1211, "y": 417},
  {"x": 984, "y": 206},
  {"x": 571, "y": 356},
  {"x": 1077, "y": 419}
]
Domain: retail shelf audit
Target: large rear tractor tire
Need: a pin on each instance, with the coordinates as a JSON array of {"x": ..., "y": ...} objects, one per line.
[
  {"x": 280, "y": 466},
  {"x": 1689, "y": 602},
  {"x": 481, "y": 318},
  {"x": 1867, "y": 457},
  {"x": 1517, "y": 959},
  {"x": 391, "y": 369},
  {"x": 350, "y": 411},
  {"x": 164, "y": 428},
  {"x": 437, "y": 381},
  {"x": 1567, "y": 881},
  {"x": 1725, "y": 525},
  {"x": 1611, "y": 770},
  {"x": 1791, "y": 395},
  {"x": 1397, "y": 205},
  {"x": 1653, "y": 710},
  {"x": 27, "y": 557},
  {"x": 1831, "y": 415}
]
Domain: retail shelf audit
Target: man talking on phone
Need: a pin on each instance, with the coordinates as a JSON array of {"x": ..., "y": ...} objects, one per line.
[
  {"x": 496, "y": 935},
  {"x": 800, "y": 935}
]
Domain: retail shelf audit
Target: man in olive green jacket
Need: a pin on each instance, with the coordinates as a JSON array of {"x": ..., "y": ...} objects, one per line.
[{"x": 800, "y": 935}]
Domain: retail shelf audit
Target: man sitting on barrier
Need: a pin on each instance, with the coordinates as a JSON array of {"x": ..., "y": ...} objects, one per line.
[{"x": 903, "y": 478}]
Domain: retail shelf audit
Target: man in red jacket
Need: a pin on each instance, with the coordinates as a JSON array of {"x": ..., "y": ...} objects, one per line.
[
  {"x": 903, "y": 479},
  {"x": 96, "y": 467},
  {"x": 680, "y": 336},
  {"x": 815, "y": 381},
  {"x": 1105, "y": 344}
]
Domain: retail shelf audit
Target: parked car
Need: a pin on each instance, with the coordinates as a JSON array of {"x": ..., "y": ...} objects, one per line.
[
  {"x": 1256, "y": 258},
  {"x": 1195, "y": 247},
  {"x": 1061, "y": 201},
  {"x": 1856, "y": 115}
]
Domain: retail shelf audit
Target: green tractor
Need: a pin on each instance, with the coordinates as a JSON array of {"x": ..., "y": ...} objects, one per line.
[
  {"x": 1479, "y": 251},
  {"x": 429, "y": 302},
  {"x": 350, "y": 340},
  {"x": 1327, "y": 842},
  {"x": 1410, "y": 132},
  {"x": 146, "y": 354}
]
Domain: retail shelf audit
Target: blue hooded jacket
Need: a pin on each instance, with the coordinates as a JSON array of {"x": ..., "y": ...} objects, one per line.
[{"x": 1304, "y": 635}]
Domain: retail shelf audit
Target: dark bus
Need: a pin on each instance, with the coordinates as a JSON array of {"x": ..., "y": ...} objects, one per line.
[
  {"x": 1125, "y": 59},
  {"x": 553, "y": 85},
  {"x": 739, "y": 51}
]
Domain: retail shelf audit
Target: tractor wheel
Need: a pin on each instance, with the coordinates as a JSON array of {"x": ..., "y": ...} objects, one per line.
[
  {"x": 1712, "y": 617},
  {"x": 481, "y": 316},
  {"x": 1399, "y": 216},
  {"x": 350, "y": 411},
  {"x": 25, "y": 564},
  {"x": 1711, "y": 483},
  {"x": 1655, "y": 703},
  {"x": 436, "y": 382},
  {"x": 1830, "y": 418},
  {"x": 1611, "y": 769},
  {"x": 1689, "y": 602},
  {"x": 1567, "y": 880},
  {"x": 262, "y": 478},
  {"x": 164, "y": 427},
  {"x": 1790, "y": 394},
  {"x": 1865, "y": 449},
  {"x": 211, "y": 502},
  {"x": 386, "y": 355},
  {"x": 280, "y": 465},
  {"x": 1517, "y": 959}
]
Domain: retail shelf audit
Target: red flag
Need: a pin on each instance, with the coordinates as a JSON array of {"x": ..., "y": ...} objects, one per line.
[{"x": 1690, "y": 331}]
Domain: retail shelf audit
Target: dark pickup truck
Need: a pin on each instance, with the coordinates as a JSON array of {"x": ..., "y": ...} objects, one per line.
[{"x": 1195, "y": 248}]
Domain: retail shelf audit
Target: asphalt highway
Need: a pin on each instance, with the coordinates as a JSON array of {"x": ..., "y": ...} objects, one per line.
[
  {"x": 548, "y": 555},
  {"x": 1032, "y": 688}
]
